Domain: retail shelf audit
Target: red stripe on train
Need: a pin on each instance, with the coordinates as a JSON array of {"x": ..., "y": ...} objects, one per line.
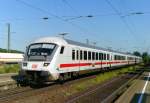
[
  {"x": 88, "y": 64},
  {"x": 74, "y": 65}
]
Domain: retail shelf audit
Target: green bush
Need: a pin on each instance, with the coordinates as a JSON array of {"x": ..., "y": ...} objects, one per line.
[{"x": 9, "y": 68}]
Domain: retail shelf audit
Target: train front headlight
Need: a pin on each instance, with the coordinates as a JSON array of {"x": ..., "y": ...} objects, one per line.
[
  {"x": 46, "y": 64},
  {"x": 25, "y": 64}
]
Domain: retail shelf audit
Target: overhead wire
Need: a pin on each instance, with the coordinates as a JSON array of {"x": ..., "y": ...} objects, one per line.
[
  {"x": 53, "y": 15},
  {"x": 121, "y": 18},
  {"x": 68, "y": 4},
  {"x": 128, "y": 17},
  {"x": 116, "y": 13},
  {"x": 131, "y": 14},
  {"x": 74, "y": 10},
  {"x": 88, "y": 16}
]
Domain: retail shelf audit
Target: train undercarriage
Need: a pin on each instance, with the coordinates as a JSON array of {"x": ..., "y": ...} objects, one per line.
[
  {"x": 36, "y": 77},
  {"x": 33, "y": 77}
]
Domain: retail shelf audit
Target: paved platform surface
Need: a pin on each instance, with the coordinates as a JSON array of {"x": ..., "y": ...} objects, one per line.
[{"x": 138, "y": 92}]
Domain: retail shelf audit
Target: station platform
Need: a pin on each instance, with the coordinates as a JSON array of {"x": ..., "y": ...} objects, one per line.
[{"x": 138, "y": 92}]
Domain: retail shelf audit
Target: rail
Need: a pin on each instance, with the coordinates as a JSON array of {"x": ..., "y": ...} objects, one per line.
[
  {"x": 8, "y": 81},
  {"x": 118, "y": 92},
  {"x": 8, "y": 74}
]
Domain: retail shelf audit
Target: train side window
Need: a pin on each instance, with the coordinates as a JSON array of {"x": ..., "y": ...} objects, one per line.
[
  {"x": 77, "y": 54},
  {"x": 89, "y": 55},
  {"x": 96, "y": 56},
  {"x": 107, "y": 56},
  {"x": 85, "y": 55},
  {"x": 100, "y": 56},
  {"x": 120, "y": 58},
  {"x": 115, "y": 57},
  {"x": 93, "y": 55},
  {"x": 73, "y": 54},
  {"x": 62, "y": 50},
  {"x": 80, "y": 54},
  {"x": 104, "y": 56}
]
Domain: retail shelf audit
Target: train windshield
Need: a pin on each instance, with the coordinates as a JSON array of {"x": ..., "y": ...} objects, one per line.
[{"x": 41, "y": 49}]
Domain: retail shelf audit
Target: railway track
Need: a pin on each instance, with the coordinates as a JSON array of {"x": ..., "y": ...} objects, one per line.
[
  {"x": 23, "y": 92},
  {"x": 107, "y": 92},
  {"x": 20, "y": 92},
  {"x": 8, "y": 81},
  {"x": 12, "y": 93},
  {"x": 116, "y": 94}
]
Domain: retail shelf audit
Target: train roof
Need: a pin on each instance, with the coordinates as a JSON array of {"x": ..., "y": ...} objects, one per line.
[
  {"x": 63, "y": 41},
  {"x": 94, "y": 47}
]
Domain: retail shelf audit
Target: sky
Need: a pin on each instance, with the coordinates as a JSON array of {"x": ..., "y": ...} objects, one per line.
[{"x": 122, "y": 25}]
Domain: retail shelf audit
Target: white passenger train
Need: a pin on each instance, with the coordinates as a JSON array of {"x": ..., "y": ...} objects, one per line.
[{"x": 54, "y": 58}]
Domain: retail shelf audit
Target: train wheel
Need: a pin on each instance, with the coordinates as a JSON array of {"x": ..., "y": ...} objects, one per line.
[
  {"x": 75, "y": 75},
  {"x": 61, "y": 79}
]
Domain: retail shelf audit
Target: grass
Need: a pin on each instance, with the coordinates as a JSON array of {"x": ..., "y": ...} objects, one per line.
[
  {"x": 9, "y": 68},
  {"x": 84, "y": 85}
]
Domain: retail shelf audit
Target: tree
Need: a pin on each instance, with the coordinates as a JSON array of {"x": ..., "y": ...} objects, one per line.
[
  {"x": 11, "y": 51},
  {"x": 146, "y": 58},
  {"x": 136, "y": 53}
]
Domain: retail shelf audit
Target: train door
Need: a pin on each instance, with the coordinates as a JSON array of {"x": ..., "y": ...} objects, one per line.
[
  {"x": 104, "y": 60},
  {"x": 78, "y": 58},
  {"x": 109, "y": 58},
  {"x": 81, "y": 57},
  {"x": 100, "y": 59},
  {"x": 93, "y": 59}
]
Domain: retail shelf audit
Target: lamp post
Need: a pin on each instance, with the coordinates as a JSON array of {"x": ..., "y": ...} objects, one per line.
[{"x": 8, "y": 37}]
